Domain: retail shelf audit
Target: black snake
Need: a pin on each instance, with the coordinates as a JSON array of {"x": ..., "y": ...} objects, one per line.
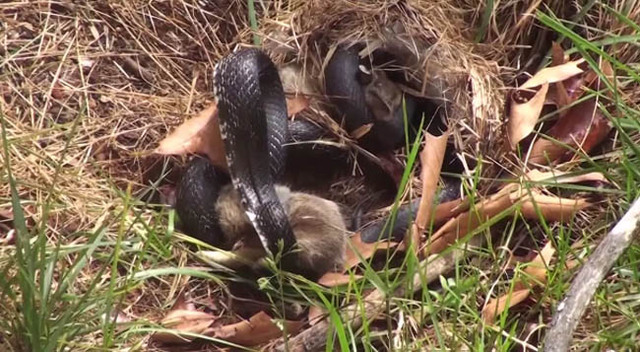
[{"x": 255, "y": 128}]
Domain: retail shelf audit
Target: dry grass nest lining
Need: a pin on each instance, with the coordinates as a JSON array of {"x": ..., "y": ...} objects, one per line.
[
  {"x": 66, "y": 61},
  {"x": 432, "y": 45}
]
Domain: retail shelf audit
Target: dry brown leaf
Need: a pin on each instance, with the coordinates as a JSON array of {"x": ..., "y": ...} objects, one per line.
[
  {"x": 552, "y": 208},
  {"x": 336, "y": 279},
  {"x": 607, "y": 70},
  {"x": 531, "y": 201},
  {"x": 525, "y": 112},
  {"x": 316, "y": 314},
  {"x": 296, "y": 104},
  {"x": 498, "y": 305},
  {"x": 183, "y": 321},
  {"x": 413, "y": 237},
  {"x": 570, "y": 264},
  {"x": 588, "y": 177},
  {"x": 583, "y": 127},
  {"x": 448, "y": 210},
  {"x": 558, "y": 91},
  {"x": 554, "y": 74},
  {"x": 366, "y": 250},
  {"x": 574, "y": 86},
  {"x": 526, "y": 105},
  {"x": 259, "y": 329},
  {"x": 561, "y": 177},
  {"x": 537, "y": 269},
  {"x": 557, "y": 55},
  {"x": 201, "y": 134},
  {"x": 467, "y": 221},
  {"x": 538, "y": 266},
  {"x": 431, "y": 159}
]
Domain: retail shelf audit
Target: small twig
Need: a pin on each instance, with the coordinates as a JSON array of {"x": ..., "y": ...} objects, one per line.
[
  {"x": 315, "y": 338},
  {"x": 570, "y": 310}
]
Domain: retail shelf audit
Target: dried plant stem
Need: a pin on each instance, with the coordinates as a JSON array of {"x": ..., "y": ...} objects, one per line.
[{"x": 570, "y": 310}]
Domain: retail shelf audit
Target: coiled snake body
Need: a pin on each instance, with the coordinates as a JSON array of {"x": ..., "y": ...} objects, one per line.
[{"x": 252, "y": 113}]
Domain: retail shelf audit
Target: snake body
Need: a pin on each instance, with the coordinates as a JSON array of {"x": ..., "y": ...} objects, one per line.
[
  {"x": 345, "y": 87},
  {"x": 195, "y": 200},
  {"x": 252, "y": 112},
  {"x": 254, "y": 127}
]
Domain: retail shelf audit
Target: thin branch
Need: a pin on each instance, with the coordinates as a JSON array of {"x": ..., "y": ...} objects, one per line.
[{"x": 570, "y": 310}]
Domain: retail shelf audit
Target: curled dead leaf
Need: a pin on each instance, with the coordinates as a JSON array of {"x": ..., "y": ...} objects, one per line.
[
  {"x": 184, "y": 322},
  {"x": 498, "y": 305},
  {"x": 562, "y": 93},
  {"x": 526, "y": 106},
  {"x": 531, "y": 202},
  {"x": 551, "y": 208},
  {"x": 467, "y": 221},
  {"x": 316, "y": 314},
  {"x": 431, "y": 159},
  {"x": 201, "y": 134},
  {"x": 555, "y": 74},
  {"x": 527, "y": 101},
  {"x": 583, "y": 127},
  {"x": 358, "y": 249},
  {"x": 448, "y": 210},
  {"x": 336, "y": 279},
  {"x": 259, "y": 329},
  {"x": 536, "y": 269},
  {"x": 562, "y": 177}
]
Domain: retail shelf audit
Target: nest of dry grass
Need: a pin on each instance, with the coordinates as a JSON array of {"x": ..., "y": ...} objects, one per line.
[
  {"x": 98, "y": 85},
  {"x": 431, "y": 40}
]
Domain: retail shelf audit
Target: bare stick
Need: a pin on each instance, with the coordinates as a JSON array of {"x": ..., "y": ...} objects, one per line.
[
  {"x": 315, "y": 338},
  {"x": 570, "y": 310}
]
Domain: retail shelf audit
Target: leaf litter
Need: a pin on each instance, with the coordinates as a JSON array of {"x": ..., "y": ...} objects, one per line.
[
  {"x": 201, "y": 134},
  {"x": 184, "y": 324},
  {"x": 454, "y": 219},
  {"x": 457, "y": 218},
  {"x": 560, "y": 84}
]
